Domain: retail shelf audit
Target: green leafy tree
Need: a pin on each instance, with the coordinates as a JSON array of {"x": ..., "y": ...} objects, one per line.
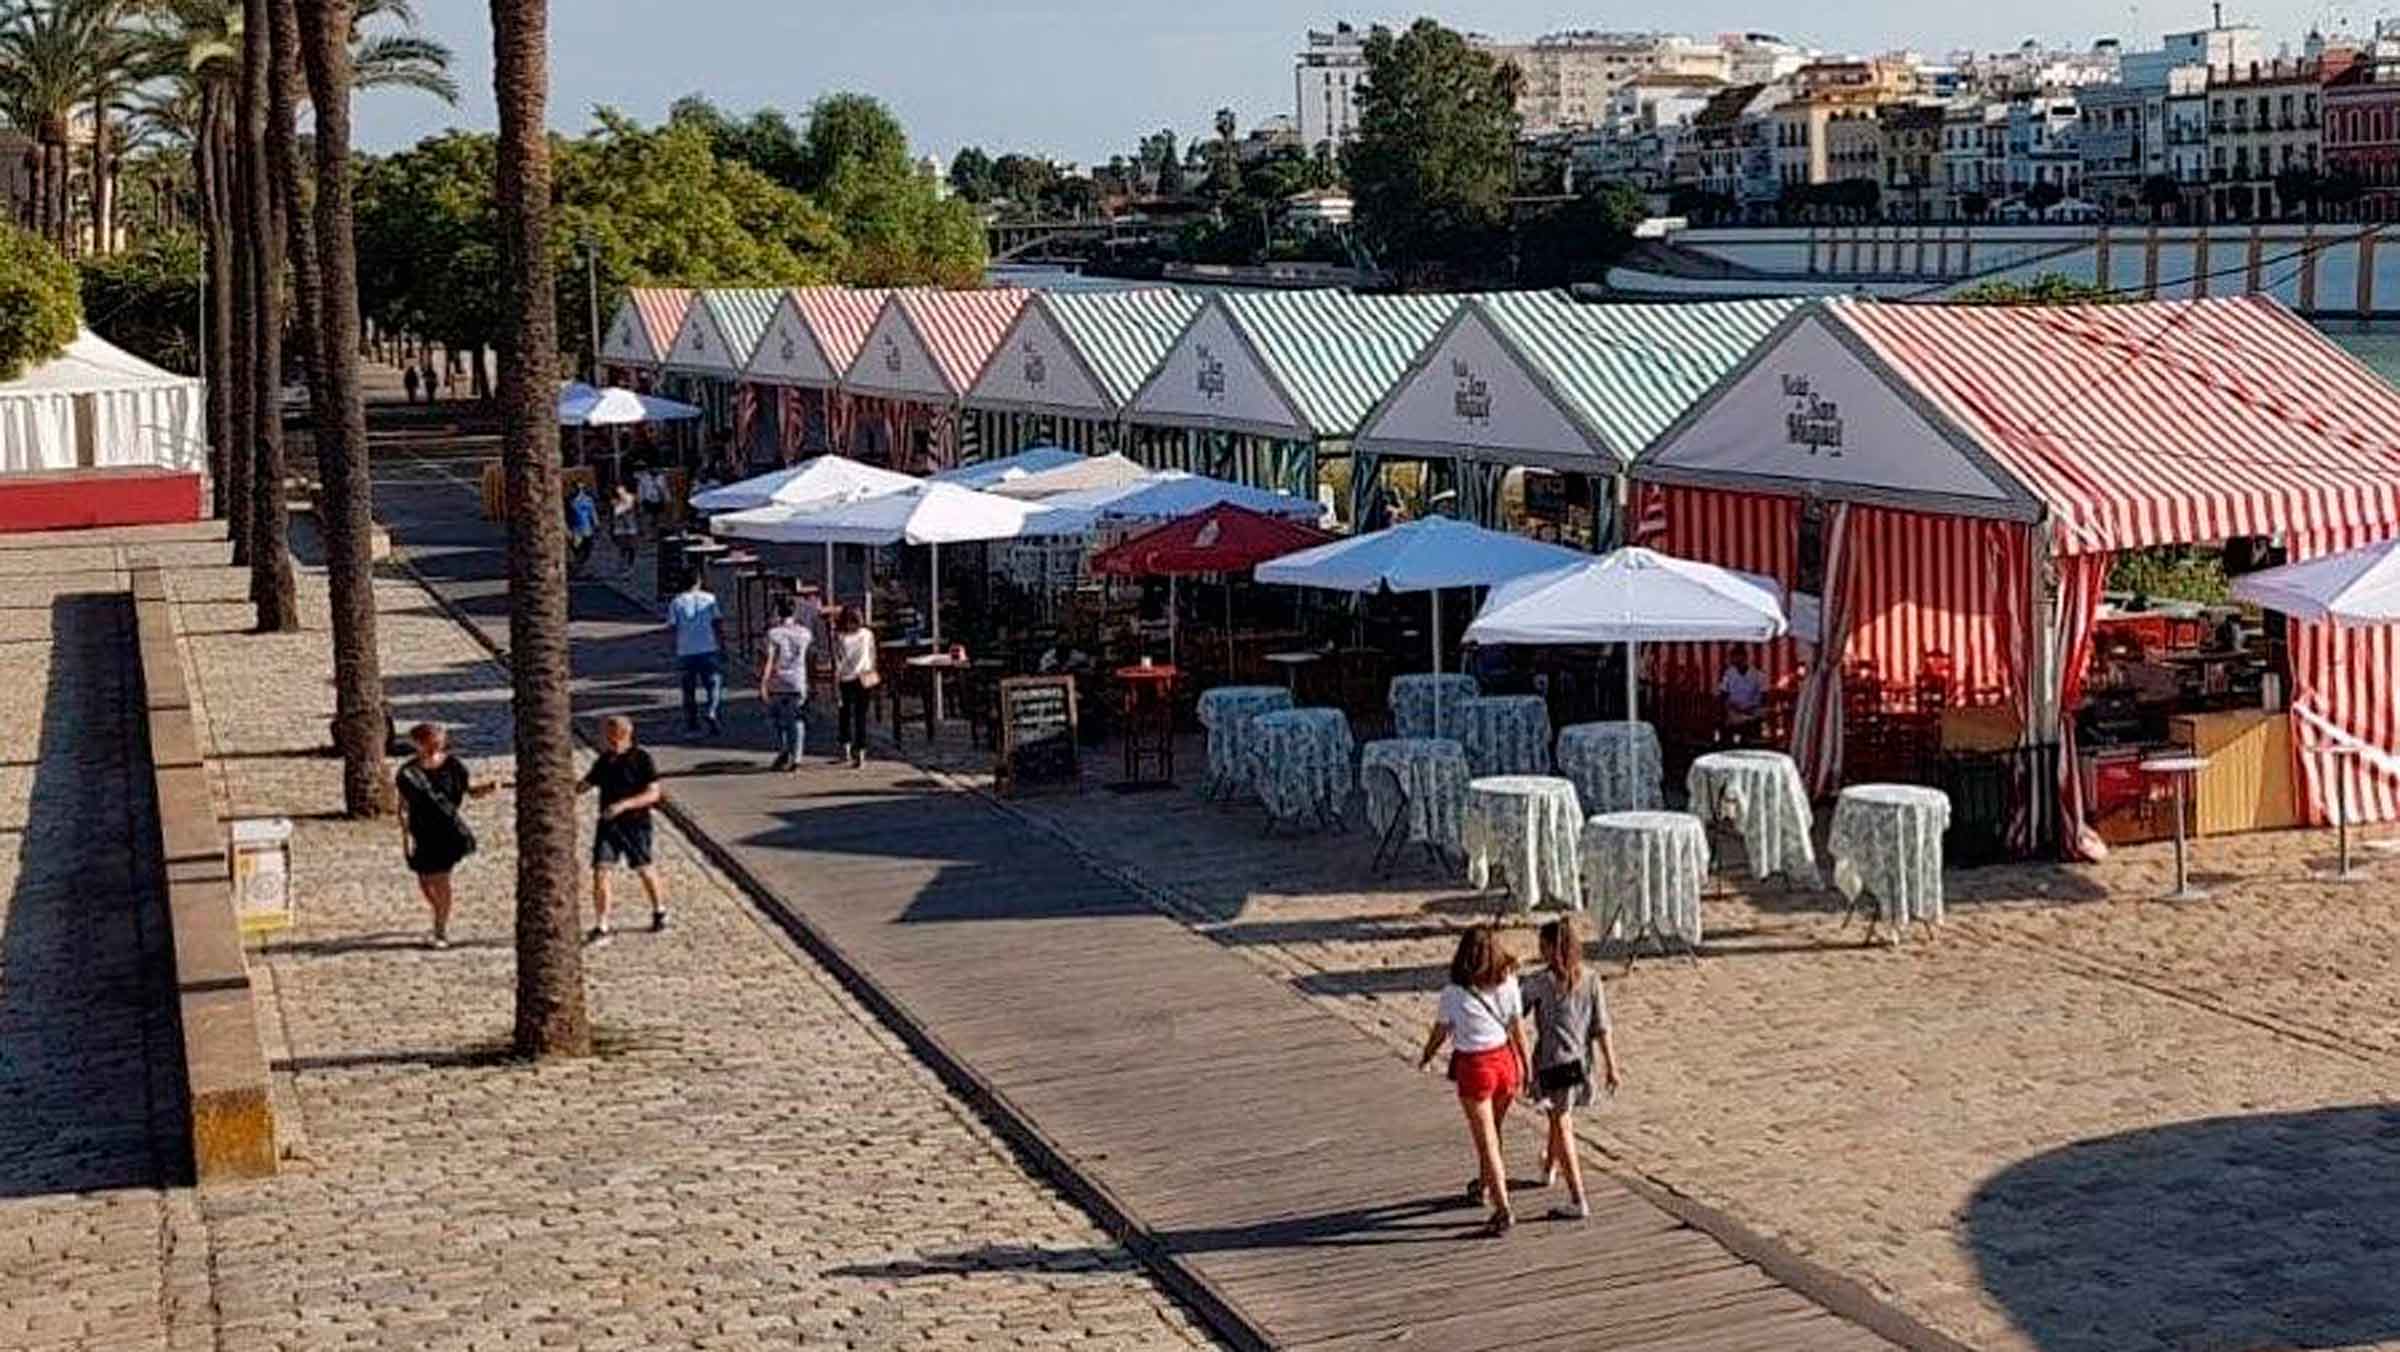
[
  {"x": 1577, "y": 241},
  {"x": 2298, "y": 188},
  {"x": 851, "y": 134},
  {"x": 2044, "y": 195},
  {"x": 971, "y": 175},
  {"x": 766, "y": 140},
  {"x": 145, "y": 299},
  {"x": 2160, "y": 193},
  {"x": 40, "y": 305},
  {"x": 2050, "y": 288},
  {"x": 1437, "y": 135},
  {"x": 1023, "y": 180}
]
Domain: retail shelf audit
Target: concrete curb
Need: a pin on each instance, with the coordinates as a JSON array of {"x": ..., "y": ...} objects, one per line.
[{"x": 224, "y": 1073}]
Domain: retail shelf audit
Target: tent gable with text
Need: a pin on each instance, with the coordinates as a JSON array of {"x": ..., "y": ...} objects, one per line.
[
  {"x": 1814, "y": 412},
  {"x": 700, "y": 345},
  {"x": 895, "y": 361},
  {"x": 1471, "y": 395},
  {"x": 1037, "y": 368},
  {"x": 789, "y": 353},
  {"x": 1213, "y": 377}
]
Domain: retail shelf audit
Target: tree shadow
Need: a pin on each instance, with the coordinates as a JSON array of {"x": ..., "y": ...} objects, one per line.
[{"x": 2274, "y": 1231}]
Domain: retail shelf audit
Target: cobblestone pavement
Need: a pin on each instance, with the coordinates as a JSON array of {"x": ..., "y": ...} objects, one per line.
[{"x": 752, "y": 1162}]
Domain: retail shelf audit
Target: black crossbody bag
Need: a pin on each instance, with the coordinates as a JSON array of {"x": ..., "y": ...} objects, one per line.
[
  {"x": 466, "y": 834},
  {"x": 1566, "y": 1075}
]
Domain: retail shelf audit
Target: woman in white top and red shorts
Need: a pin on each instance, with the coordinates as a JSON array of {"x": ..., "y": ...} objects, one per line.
[{"x": 1482, "y": 1017}]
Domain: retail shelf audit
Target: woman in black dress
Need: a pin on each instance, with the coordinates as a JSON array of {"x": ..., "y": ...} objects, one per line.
[{"x": 433, "y": 837}]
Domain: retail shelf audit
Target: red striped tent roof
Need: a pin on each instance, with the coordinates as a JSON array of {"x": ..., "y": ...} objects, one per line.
[
  {"x": 960, "y": 328},
  {"x": 662, "y": 309},
  {"x": 839, "y": 317},
  {"x": 2171, "y": 422},
  {"x": 1222, "y": 539}
]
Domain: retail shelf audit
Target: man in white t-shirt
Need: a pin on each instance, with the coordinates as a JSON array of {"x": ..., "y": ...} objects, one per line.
[
  {"x": 783, "y": 680},
  {"x": 1743, "y": 689}
]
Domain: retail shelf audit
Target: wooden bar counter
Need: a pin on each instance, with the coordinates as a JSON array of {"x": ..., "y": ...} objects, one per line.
[{"x": 2248, "y": 783}]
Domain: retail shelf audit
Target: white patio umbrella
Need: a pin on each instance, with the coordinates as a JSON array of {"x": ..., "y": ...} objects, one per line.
[
  {"x": 581, "y": 405},
  {"x": 985, "y": 475},
  {"x": 819, "y": 481},
  {"x": 1425, "y": 555},
  {"x": 1632, "y": 596},
  {"x": 925, "y": 514},
  {"x": 1114, "y": 470},
  {"x": 2359, "y": 589}
]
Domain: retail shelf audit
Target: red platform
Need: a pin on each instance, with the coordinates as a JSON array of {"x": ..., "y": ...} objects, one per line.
[{"x": 77, "y": 499}]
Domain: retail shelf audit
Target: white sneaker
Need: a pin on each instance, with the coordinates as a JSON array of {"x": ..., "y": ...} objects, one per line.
[
  {"x": 1571, "y": 1211},
  {"x": 599, "y": 935}
]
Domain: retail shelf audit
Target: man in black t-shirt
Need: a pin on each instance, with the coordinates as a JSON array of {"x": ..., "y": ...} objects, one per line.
[{"x": 629, "y": 788}]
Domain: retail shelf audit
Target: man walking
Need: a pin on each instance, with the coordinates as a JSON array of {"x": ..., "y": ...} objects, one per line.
[
  {"x": 699, "y": 628},
  {"x": 783, "y": 681},
  {"x": 628, "y": 785},
  {"x": 408, "y": 382}
]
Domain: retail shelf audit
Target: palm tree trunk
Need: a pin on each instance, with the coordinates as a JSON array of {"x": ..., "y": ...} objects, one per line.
[
  {"x": 217, "y": 359},
  {"x": 103, "y": 191},
  {"x": 283, "y": 157},
  {"x": 341, "y": 420},
  {"x": 242, "y": 456},
  {"x": 551, "y": 1019},
  {"x": 271, "y": 582}
]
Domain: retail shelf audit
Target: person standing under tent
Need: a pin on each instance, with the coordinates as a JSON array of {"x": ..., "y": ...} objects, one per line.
[
  {"x": 625, "y": 527},
  {"x": 651, "y": 487},
  {"x": 583, "y": 526},
  {"x": 628, "y": 783},
  {"x": 698, "y": 624},
  {"x": 783, "y": 680},
  {"x": 1569, "y": 1012},
  {"x": 855, "y": 679},
  {"x": 1482, "y": 1016},
  {"x": 1742, "y": 689}
]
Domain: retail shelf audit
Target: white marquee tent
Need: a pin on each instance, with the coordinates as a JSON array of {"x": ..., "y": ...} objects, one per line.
[{"x": 96, "y": 405}]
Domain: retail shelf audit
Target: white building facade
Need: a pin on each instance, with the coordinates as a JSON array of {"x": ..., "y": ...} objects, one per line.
[{"x": 1325, "y": 76}]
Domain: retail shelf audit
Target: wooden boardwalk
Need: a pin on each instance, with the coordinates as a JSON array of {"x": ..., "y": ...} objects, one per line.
[{"x": 1278, "y": 1167}]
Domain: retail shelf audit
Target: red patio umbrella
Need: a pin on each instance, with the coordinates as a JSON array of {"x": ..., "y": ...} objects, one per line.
[{"x": 1223, "y": 539}]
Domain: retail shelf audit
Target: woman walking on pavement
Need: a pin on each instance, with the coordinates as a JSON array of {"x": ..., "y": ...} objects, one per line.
[
  {"x": 856, "y": 678},
  {"x": 1569, "y": 1012},
  {"x": 1482, "y": 1017},
  {"x": 434, "y": 839}
]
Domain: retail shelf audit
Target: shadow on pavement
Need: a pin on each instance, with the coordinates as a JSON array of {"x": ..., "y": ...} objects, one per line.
[{"x": 2276, "y": 1231}]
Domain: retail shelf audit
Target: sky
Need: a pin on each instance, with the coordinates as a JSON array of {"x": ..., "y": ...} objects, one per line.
[{"x": 1083, "y": 79}]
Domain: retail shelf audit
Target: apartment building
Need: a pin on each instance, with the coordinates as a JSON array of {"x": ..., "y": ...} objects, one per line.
[
  {"x": 1910, "y": 137},
  {"x": 2265, "y": 120},
  {"x": 1569, "y": 78},
  {"x": 2361, "y": 107},
  {"x": 1324, "y": 75},
  {"x": 1827, "y": 93}
]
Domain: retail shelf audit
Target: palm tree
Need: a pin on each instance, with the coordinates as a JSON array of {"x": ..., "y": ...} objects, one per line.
[
  {"x": 271, "y": 582},
  {"x": 551, "y": 1019},
  {"x": 51, "y": 55}
]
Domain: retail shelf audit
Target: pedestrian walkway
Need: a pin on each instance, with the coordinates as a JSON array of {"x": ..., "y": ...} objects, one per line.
[{"x": 1281, "y": 1161}]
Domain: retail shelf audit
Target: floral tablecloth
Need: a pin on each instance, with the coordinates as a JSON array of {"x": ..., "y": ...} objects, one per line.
[
  {"x": 1527, "y": 828},
  {"x": 1643, "y": 872},
  {"x": 1615, "y": 766},
  {"x": 1416, "y": 697},
  {"x": 1761, "y": 794},
  {"x": 1887, "y": 839},
  {"x": 1300, "y": 763},
  {"x": 1505, "y": 734},
  {"x": 1433, "y": 772},
  {"x": 1227, "y": 712}
]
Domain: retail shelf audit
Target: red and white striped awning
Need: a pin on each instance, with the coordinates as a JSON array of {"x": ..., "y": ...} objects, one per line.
[
  {"x": 662, "y": 309},
  {"x": 839, "y": 317},
  {"x": 961, "y": 328},
  {"x": 2174, "y": 422}
]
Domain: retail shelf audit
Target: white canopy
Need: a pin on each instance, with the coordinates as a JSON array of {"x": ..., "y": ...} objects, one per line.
[
  {"x": 1113, "y": 470},
  {"x": 97, "y": 405},
  {"x": 988, "y": 474},
  {"x": 1169, "y": 494},
  {"x": 1632, "y": 596},
  {"x": 581, "y": 405},
  {"x": 1422, "y": 555},
  {"x": 811, "y": 483},
  {"x": 923, "y": 514},
  {"x": 2358, "y": 588}
]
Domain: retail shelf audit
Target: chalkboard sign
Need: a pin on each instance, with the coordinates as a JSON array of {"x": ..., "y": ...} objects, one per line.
[{"x": 1037, "y": 732}]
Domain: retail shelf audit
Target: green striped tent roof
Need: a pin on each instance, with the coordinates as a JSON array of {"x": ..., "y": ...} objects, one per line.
[
  {"x": 1122, "y": 334},
  {"x": 1628, "y": 371},
  {"x": 1335, "y": 354},
  {"x": 742, "y": 315}
]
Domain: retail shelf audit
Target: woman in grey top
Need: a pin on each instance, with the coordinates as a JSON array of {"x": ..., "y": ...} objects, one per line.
[{"x": 1569, "y": 1013}]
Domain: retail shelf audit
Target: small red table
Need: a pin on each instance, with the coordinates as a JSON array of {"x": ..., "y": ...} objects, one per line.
[{"x": 1149, "y": 705}]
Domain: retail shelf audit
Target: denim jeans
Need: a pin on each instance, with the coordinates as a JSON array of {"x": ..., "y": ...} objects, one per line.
[
  {"x": 854, "y": 716},
  {"x": 784, "y": 708},
  {"x": 703, "y": 674}
]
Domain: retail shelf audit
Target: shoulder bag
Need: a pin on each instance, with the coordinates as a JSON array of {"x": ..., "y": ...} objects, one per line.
[
  {"x": 1477, "y": 996},
  {"x": 466, "y": 834},
  {"x": 1567, "y": 1076}
]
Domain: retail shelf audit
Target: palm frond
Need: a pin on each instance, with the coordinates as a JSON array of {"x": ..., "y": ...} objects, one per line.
[{"x": 402, "y": 61}]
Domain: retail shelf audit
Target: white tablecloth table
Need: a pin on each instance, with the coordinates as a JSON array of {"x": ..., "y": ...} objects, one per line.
[
  {"x": 1642, "y": 875},
  {"x": 1227, "y": 712},
  {"x": 1506, "y": 734},
  {"x": 1300, "y": 764},
  {"x": 1528, "y": 829},
  {"x": 1416, "y": 697},
  {"x": 1887, "y": 839},
  {"x": 1615, "y": 765},
  {"x": 1432, "y": 771},
  {"x": 1760, "y": 794}
]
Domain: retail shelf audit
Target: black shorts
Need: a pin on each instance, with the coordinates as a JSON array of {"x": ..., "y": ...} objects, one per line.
[{"x": 623, "y": 840}]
